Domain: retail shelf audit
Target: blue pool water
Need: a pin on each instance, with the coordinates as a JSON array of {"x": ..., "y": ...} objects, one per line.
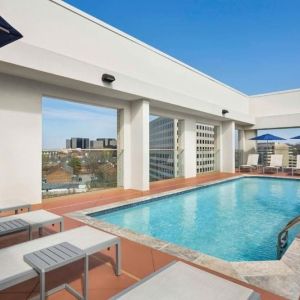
[{"x": 237, "y": 220}]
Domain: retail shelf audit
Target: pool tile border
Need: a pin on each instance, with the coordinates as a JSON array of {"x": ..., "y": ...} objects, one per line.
[{"x": 274, "y": 276}]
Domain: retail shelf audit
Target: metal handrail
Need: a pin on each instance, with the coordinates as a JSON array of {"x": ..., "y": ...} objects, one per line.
[{"x": 282, "y": 239}]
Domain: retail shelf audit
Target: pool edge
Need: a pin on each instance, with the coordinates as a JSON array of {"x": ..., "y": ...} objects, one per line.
[{"x": 268, "y": 275}]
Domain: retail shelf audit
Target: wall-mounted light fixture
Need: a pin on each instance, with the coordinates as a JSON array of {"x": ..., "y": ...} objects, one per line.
[
  {"x": 224, "y": 112},
  {"x": 108, "y": 78}
]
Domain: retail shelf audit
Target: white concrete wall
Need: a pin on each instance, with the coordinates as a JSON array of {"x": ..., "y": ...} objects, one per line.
[
  {"x": 21, "y": 141},
  {"x": 276, "y": 110},
  {"x": 140, "y": 145},
  {"x": 227, "y": 151},
  {"x": 187, "y": 144},
  {"x": 246, "y": 145},
  {"x": 21, "y": 133},
  {"x": 85, "y": 57}
]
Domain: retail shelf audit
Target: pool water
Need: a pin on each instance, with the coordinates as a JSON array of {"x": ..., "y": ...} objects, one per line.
[{"x": 237, "y": 220}]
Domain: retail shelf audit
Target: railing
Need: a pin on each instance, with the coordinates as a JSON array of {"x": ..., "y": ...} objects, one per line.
[
  {"x": 282, "y": 239},
  {"x": 77, "y": 171}
]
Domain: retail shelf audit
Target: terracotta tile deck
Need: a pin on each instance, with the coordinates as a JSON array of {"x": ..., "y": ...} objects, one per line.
[{"x": 138, "y": 261}]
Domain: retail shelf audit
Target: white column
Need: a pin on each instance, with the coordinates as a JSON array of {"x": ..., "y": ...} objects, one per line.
[
  {"x": 228, "y": 147},
  {"x": 21, "y": 140},
  {"x": 218, "y": 146},
  {"x": 245, "y": 144},
  {"x": 140, "y": 145},
  {"x": 124, "y": 148},
  {"x": 187, "y": 146},
  {"x": 175, "y": 147}
]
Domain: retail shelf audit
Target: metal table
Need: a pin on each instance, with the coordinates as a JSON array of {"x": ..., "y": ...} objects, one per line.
[{"x": 54, "y": 257}]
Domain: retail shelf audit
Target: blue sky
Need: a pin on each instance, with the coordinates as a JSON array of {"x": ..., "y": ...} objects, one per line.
[
  {"x": 63, "y": 119},
  {"x": 251, "y": 45},
  {"x": 286, "y": 133}
]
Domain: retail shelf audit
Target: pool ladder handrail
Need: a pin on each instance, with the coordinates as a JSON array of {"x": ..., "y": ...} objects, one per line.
[{"x": 282, "y": 239}]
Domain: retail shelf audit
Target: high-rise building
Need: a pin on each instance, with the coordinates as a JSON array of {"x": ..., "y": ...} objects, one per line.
[
  {"x": 68, "y": 144},
  {"x": 74, "y": 143},
  {"x": 108, "y": 142},
  {"x": 205, "y": 151},
  {"x": 98, "y": 144},
  {"x": 104, "y": 143},
  {"x": 163, "y": 146}
]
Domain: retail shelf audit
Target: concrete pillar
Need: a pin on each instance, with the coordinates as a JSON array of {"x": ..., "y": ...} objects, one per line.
[
  {"x": 246, "y": 145},
  {"x": 21, "y": 141},
  {"x": 227, "y": 150},
  {"x": 175, "y": 147},
  {"x": 124, "y": 148},
  {"x": 218, "y": 145},
  {"x": 140, "y": 145},
  {"x": 187, "y": 147}
]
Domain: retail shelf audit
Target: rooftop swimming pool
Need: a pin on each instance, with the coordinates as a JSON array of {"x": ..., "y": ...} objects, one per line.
[{"x": 236, "y": 220}]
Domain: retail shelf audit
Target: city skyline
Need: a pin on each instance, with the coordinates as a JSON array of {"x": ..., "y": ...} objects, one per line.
[{"x": 65, "y": 119}]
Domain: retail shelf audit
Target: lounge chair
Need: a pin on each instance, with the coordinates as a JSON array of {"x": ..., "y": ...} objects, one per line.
[
  {"x": 15, "y": 270},
  {"x": 29, "y": 221},
  {"x": 252, "y": 162},
  {"x": 181, "y": 281},
  {"x": 297, "y": 168},
  {"x": 15, "y": 205},
  {"x": 275, "y": 163}
]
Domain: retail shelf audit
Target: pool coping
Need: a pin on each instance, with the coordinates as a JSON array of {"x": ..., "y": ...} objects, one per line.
[{"x": 281, "y": 277}]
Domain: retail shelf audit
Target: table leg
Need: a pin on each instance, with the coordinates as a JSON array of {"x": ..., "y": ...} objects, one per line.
[
  {"x": 86, "y": 278},
  {"x": 118, "y": 259},
  {"x": 61, "y": 226},
  {"x": 42, "y": 286}
]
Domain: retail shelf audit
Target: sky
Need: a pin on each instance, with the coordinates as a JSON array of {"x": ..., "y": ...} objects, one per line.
[
  {"x": 250, "y": 45},
  {"x": 64, "y": 119},
  {"x": 286, "y": 133}
]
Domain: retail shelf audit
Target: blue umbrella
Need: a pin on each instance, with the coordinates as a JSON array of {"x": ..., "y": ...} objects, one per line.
[
  {"x": 296, "y": 137},
  {"x": 267, "y": 137}
]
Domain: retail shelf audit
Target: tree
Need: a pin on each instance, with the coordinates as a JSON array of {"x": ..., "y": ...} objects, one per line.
[{"x": 75, "y": 164}]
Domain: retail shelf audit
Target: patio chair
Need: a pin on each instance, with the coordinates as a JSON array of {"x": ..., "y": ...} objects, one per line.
[
  {"x": 15, "y": 270},
  {"x": 297, "y": 168},
  {"x": 29, "y": 221},
  {"x": 181, "y": 281},
  {"x": 252, "y": 162},
  {"x": 275, "y": 163}
]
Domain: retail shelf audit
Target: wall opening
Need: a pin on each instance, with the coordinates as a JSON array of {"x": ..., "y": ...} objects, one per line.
[
  {"x": 163, "y": 150},
  {"x": 289, "y": 147},
  {"x": 79, "y": 147},
  {"x": 205, "y": 151}
]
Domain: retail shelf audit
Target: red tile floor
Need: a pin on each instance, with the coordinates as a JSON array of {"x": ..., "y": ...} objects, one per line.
[{"x": 138, "y": 261}]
